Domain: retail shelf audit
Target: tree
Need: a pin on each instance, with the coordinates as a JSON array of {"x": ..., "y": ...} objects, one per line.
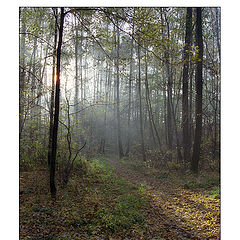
[
  {"x": 52, "y": 91},
  {"x": 198, "y": 82},
  {"x": 185, "y": 112},
  {"x": 120, "y": 148},
  {"x": 22, "y": 73},
  {"x": 130, "y": 94},
  {"x": 129, "y": 79},
  {"x": 140, "y": 102},
  {"x": 56, "y": 109}
]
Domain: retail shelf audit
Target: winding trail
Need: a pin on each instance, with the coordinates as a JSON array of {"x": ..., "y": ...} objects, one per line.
[{"x": 174, "y": 213}]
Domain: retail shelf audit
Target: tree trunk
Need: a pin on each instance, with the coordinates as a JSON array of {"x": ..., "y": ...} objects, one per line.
[
  {"x": 198, "y": 82},
  {"x": 148, "y": 102},
  {"x": 22, "y": 75},
  {"x": 140, "y": 105},
  {"x": 129, "y": 96},
  {"x": 169, "y": 91},
  {"x": 120, "y": 148},
  {"x": 76, "y": 73},
  {"x": 52, "y": 95},
  {"x": 56, "y": 112},
  {"x": 185, "y": 114}
]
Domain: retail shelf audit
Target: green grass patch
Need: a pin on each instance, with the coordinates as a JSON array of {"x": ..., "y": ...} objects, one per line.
[
  {"x": 203, "y": 183},
  {"x": 124, "y": 211},
  {"x": 215, "y": 193},
  {"x": 110, "y": 205},
  {"x": 95, "y": 203}
]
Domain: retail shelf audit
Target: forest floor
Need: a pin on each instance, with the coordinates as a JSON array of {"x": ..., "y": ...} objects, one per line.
[
  {"x": 181, "y": 212},
  {"x": 119, "y": 199}
]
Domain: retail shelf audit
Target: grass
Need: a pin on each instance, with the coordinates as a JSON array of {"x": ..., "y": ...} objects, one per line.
[
  {"x": 94, "y": 204},
  {"x": 97, "y": 204},
  {"x": 215, "y": 193},
  {"x": 203, "y": 182}
]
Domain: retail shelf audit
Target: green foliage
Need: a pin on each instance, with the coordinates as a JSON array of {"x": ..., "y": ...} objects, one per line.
[
  {"x": 142, "y": 188},
  {"x": 81, "y": 166},
  {"x": 123, "y": 212},
  {"x": 206, "y": 183},
  {"x": 174, "y": 165},
  {"x": 32, "y": 154},
  {"x": 215, "y": 193},
  {"x": 209, "y": 182}
]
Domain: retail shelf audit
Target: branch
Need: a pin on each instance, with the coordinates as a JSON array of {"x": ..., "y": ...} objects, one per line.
[
  {"x": 78, "y": 153},
  {"x": 132, "y": 35},
  {"x": 28, "y": 33},
  {"x": 94, "y": 38}
]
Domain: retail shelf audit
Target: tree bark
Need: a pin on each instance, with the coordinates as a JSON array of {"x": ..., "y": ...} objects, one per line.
[
  {"x": 22, "y": 75},
  {"x": 52, "y": 94},
  {"x": 153, "y": 127},
  {"x": 185, "y": 113},
  {"x": 56, "y": 112},
  {"x": 198, "y": 82},
  {"x": 120, "y": 148},
  {"x": 130, "y": 96},
  {"x": 140, "y": 105}
]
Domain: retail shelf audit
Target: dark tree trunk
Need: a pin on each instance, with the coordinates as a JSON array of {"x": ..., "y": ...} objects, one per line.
[
  {"x": 56, "y": 112},
  {"x": 198, "y": 82},
  {"x": 52, "y": 95},
  {"x": 185, "y": 113}
]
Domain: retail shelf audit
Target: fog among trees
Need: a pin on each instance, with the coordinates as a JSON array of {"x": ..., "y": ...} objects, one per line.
[{"x": 137, "y": 86}]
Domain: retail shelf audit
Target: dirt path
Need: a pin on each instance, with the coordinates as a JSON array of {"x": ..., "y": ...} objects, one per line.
[{"x": 174, "y": 212}]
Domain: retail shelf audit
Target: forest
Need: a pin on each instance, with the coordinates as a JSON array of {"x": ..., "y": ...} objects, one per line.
[{"x": 119, "y": 122}]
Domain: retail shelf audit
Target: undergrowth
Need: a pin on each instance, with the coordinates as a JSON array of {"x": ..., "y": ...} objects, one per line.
[{"x": 95, "y": 204}]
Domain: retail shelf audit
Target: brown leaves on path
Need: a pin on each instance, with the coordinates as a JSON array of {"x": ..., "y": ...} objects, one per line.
[{"x": 174, "y": 211}]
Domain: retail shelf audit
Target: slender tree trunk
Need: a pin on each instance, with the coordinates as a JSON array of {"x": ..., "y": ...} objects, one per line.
[
  {"x": 190, "y": 106},
  {"x": 148, "y": 102},
  {"x": 185, "y": 113},
  {"x": 76, "y": 73},
  {"x": 140, "y": 104},
  {"x": 179, "y": 154},
  {"x": 129, "y": 96},
  {"x": 33, "y": 88},
  {"x": 102, "y": 150},
  {"x": 56, "y": 113},
  {"x": 81, "y": 66},
  {"x": 22, "y": 75},
  {"x": 169, "y": 109},
  {"x": 198, "y": 81},
  {"x": 169, "y": 92},
  {"x": 52, "y": 95},
  {"x": 217, "y": 125},
  {"x": 217, "y": 31},
  {"x": 120, "y": 148},
  {"x": 165, "y": 113}
]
